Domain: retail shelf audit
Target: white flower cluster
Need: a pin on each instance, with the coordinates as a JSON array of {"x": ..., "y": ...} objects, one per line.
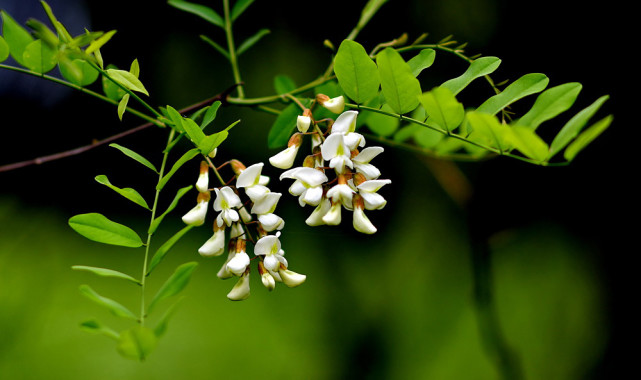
[
  {"x": 356, "y": 184},
  {"x": 233, "y": 215}
]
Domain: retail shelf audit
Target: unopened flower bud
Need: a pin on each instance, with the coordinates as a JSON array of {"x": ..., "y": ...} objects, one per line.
[
  {"x": 212, "y": 154},
  {"x": 335, "y": 105},
  {"x": 202, "y": 184},
  {"x": 240, "y": 291},
  {"x": 237, "y": 166},
  {"x": 304, "y": 121},
  {"x": 268, "y": 280},
  {"x": 285, "y": 159},
  {"x": 196, "y": 216},
  {"x": 360, "y": 221}
]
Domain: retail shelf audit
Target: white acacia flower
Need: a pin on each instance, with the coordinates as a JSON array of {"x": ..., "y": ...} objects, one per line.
[
  {"x": 250, "y": 179},
  {"x": 271, "y": 222},
  {"x": 267, "y": 204},
  {"x": 345, "y": 125},
  {"x": 202, "y": 184},
  {"x": 238, "y": 263},
  {"x": 368, "y": 189},
  {"x": 196, "y": 216},
  {"x": 316, "y": 218},
  {"x": 360, "y": 221},
  {"x": 269, "y": 246},
  {"x": 303, "y": 122},
  {"x": 237, "y": 230},
  {"x": 225, "y": 202},
  {"x": 336, "y": 105},
  {"x": 333, "y": 215},
  {"x": 268, "y": 281},
  {"x": 308, "y": 185},
  {"x": 362, "y": 165},
  {"x": 336, "y": 152},
  {"x": 341, "y": 194},
  {"x": 285, "y": 159},
  {"x": 240, "y": 291},
  {"x": 215, "y": 246},
  {"x": 291, "y": 278},
  {"x": 224, "y": 272}
]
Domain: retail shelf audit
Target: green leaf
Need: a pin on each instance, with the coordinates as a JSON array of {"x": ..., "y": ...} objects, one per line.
[
  {"x": 444, "y": 111},
  {"x": 572, "y": 128},
  {"x": 193, "y": 130},
  {"x": 4, "y": 50},
  {"x": 16, "y": 37},
  {"x": 527, "y": 142},
  {"x": 154, "y": 225},
  {"x": 137, "y": 343},
  {"x": 134, "y": 156},
  {"x": 111, "y": 89},
  {"x": 181, "y": 161},
  {"x": 487, "y": 129},
  {"x": 526, "y": 85},
  {"x": 103, "y": 272},
  {"x": 98, "y": 228},
  {"x": 122, "y": 106},
  {"x": 423, "y": 60},
  {"x": 127, "y": 80},
  {"x": 78, "y": 71},
  {"x": 39, "y": 57},
  {"x": 479, "y": 68},
  {"x": 62, "y": 31},
  {"x": 369, "y": 10},
  {"x": 550, "y": 104},
  {"x": 211, "y": 142},
  {"x": 93, "y": 326},
  {"x": 42, "y": 32},
  {"x": 356, "y": 72},
  {"x": 585, "y": 138},
  {"x": 210, "y": 115},
  {"x": 283, "y": 127},
  {"x": 134, "y": 69},
  {"x": 201, "y": 11},
  {"x": 128, "y": 192},
  {"x": 405, "y": 133},
  {"x": 100, "y": 42},
  {"x": 400, "y": 87},
  {"x": 239, "y": 7},
  {"x": 382, "y": 125},
  {"x": 116, "y": 308},
  {"x": 251, "y": 41},
  {"x": 164, "y": 249},
  {"x": 161, "y": 327},
  {"x": 283, "y": 84},
  {"x": 176, "y": 118},
  {"x": 216, "y": 46},
  {"x": 174, "y": 284}
]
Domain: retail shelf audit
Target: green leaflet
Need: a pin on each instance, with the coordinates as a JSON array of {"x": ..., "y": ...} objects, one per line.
[
  {"x": 174, "y": 284},
  {"x": 405, "y": 133},
  {"x": 201, "y": 11},
  {"x": 103, "y": 272},
  {"x": 283, "y": 84},
  {"x": 193, "y": 130},
  {"x": 527, "y": 142},
  {"x": 39, "y": 57},
  {"x": 210, "y": 114},
  {"x": 98, "y": 228},
  {"x": 487, "y": 130},
  {"x": 134, "y": 156},
  {"x": 128, "y": 192},
  {"x": 423, "y": 60},
  {"x": 550, "y": 104},
  {"x": 164, "y": 249},
  {"x": 283, "y": 127},
  {"x": 479, "y": 68},
  {"x": 239, "y": 7},
  {"x": 356, "y": 72},
  {"x": 382, "y": 125},
  {"x": 443, "y": 110},
  {"x": 526, "y": 85},
  {"x": 211, "y": 142},
  {"x": 99, "y": 42},
  {"x": 216, "y": 46},
  {"x": 399, "y": 86},
  {"x": 4, "y": 50},
  {"x": 161, "y": 327},
  {"x": 77, "y": 71},
  {"x": 116, "y": 308},
  {"x": 251, "y": 41},
  {"x": 176, "y": 119},
  {"x": 181, "y": 161},
  {"x": 16, "y": 37},
  {"x": 127, "y": 80},
  {"x": 137, "y": 343},
  {"x": 572, "y": 128},
  {"x": 154, "y": 225},
  {"x": 111, "y": 89},
  {"x": 122, "y": 106},
  {"x": 587, "y": 137},
  {"x": 42, "y": 32},
  {"x": 96, "y": 327}
]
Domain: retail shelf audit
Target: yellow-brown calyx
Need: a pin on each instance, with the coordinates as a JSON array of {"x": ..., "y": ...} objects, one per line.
[
  {"x": 358, "y": 179},
  {"x": 204, "y": 167},
  {"x": 203, "y": 197},
  {"x": 295, "y": 140},
  {"x": 237, "y": 166}
]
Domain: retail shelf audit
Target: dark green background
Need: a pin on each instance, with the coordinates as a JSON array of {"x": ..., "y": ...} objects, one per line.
[{"x": 395, "y": 305}]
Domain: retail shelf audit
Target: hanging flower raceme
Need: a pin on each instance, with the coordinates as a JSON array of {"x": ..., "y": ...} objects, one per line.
[
  {"x": 238, "y": 216},
  {"x": 342, "y": 149}
]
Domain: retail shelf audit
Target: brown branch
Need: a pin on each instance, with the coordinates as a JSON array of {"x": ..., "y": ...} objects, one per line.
[{"x": 222, "y": 97}]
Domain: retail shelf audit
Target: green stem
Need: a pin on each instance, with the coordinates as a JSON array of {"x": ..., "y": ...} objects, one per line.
[
  {"x": 153, "y": 216},
  {"x": 81, "y": 89},
  {"x": 280, "y": 97},
  {"x": 233, "y": 58}
]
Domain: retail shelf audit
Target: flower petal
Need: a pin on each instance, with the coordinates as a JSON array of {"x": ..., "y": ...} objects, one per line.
[
  {"x": 345, "y": 122},
  {"x": 240, "y": 291},
  {"x": 249, "y": 176},
  {"x": 362, "y": 223}
]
